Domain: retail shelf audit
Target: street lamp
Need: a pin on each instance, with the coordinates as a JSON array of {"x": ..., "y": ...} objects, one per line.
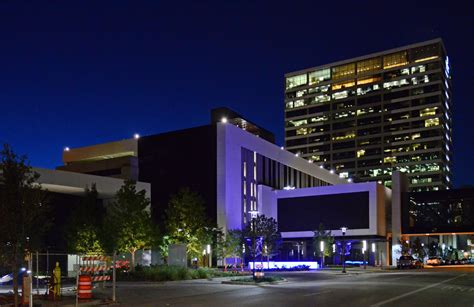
[
  {"x": 208, "y": 249},
  {"x": 376, "y": 260},
  {"x": 343, "y": 229},
  {"x": 364, "y": 250},
  {"x": 321, "y": 248}
]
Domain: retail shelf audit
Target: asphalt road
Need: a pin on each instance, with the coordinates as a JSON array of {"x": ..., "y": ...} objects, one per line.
[{"x": 429, "y": 287}]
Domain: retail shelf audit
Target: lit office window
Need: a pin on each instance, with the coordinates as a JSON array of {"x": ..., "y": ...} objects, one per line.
[
  {"x": 395, "y": 60},
  {"x": 322, "y": 98},
  {"x": 296, "y": 81},
  {"x": 432, "y": 122},
  {"x": 390, "y": 160},
  {"x": 340, "y": 95},
  {"x": 319, "y": 89},
  {"x": 368, "y": 80},
  {"x": 343, "y": 71},
  {"x": 368, "y": 65},
  {"x": 320, "y": 118},
  {"x": 297, "y": 123},
  {"x": 425, "y": 53},
  {"x": 298, "y": 103},
  {"x": 301, "y": 93},
  {"x": 338, "y": 86},
  {"x": 305, "y": 131},
  {"x": 428, "y": 111},
  {"x": 319, "y": 76},
  {"x": 417, "y": 69}
]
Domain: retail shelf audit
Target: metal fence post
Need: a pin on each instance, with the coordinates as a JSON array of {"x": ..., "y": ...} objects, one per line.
[
  {"x": 30, "y": 281},
  {"x": 78, "y": 269},
  {"x": 114, "y": 263},
  {"x": 37, "y": 273}
]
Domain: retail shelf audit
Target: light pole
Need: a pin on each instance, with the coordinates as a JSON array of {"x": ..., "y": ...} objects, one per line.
[
  {"x": 209, "y": 256},
  {"x": 364, "y": 250},
  {"x": 376, "y": 258},
  {"x": 343, "y": 229},
  {"x": 321, "y": 248}
]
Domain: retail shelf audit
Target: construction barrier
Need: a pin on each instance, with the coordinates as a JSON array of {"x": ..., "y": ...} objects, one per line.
[
  {"x": 96, "y": 268},
  {"x": 101, "y": 278},
  {"x": 84, "y": 289},
  {"x": 96, "y": 258}
]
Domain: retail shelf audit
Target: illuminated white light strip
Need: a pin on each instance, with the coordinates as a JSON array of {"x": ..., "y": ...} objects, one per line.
[{"x": 283, "y": 264}]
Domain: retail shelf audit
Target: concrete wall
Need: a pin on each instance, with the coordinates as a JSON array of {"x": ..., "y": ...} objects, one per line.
[{"x": 75, "y": 183}]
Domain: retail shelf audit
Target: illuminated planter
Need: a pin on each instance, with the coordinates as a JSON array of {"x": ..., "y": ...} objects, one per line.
[{"x": 283, "y": 264}]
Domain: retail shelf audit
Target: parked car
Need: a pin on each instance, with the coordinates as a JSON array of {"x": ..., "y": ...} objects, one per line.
[
  {"x": 408, "y": 262},
  {"x": 8, "y": 279},
  {"x": 434, "y": 261}
]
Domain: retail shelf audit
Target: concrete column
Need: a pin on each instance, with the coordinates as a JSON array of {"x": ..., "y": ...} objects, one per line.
[{"x": 399, "y": 185}]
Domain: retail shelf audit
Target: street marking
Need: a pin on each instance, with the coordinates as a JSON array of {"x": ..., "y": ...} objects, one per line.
[
  {"x": 316, "y": 293},
  {"x": 414, "y": 291}
]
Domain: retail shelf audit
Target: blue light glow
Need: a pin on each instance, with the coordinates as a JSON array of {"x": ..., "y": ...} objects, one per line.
[{"x": 283, "y": 264}]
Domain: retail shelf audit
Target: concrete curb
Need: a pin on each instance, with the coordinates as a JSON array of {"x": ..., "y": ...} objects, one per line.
[{"x": 243, "y": 283}]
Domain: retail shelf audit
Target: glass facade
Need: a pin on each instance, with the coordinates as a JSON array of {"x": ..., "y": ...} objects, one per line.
[
  {"x": 387, "y": 112},
  {"x": 438, "y": 212}
]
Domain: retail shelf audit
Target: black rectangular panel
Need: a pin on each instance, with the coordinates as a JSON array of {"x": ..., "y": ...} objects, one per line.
[{"x": 334, "y": 211}]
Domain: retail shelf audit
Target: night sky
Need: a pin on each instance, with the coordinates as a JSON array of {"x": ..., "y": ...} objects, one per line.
[{"x": 76, "y": 73}]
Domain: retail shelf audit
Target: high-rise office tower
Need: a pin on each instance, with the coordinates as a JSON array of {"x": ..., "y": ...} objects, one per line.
[{"x": 368, "y": 116}]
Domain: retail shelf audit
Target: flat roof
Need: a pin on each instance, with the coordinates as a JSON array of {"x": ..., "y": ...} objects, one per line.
[
  {"x": 368, "y": 56},
  {"x": 75, "y": 183}
]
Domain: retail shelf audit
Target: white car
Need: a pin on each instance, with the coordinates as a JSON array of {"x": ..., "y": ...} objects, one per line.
[{"x": 6, "y": 278}]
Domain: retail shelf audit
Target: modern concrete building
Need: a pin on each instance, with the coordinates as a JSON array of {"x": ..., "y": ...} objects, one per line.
[
  {"x": 65, "y": 193},
  {"x": 230, "y": 157},
  {"x": 241, "y": 174},
  {"x": 369, "y": 116}
]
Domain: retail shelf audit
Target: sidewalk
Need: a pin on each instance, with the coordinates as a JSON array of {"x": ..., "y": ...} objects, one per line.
[{"x": 355, "y": 270}]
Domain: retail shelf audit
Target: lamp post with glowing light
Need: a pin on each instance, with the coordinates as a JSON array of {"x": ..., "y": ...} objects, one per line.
[
  {"x": 321, "y": 248},
  {"x": 343, "y": 229},
  {"x": 364, "y": 252}
]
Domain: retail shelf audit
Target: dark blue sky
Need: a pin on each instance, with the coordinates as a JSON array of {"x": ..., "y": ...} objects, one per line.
[{"x": 75, "y": 73}]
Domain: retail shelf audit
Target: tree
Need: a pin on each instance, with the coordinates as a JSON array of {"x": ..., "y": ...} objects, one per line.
[
  {"x": 186, "y": 222},
  {"x": 128, "y": 224},
  {"x": 229, "y": 245},
  {"x": 23, "y": 208},
  {"x": 325, "y": 236},
  {"x": 258, "y": 231},
  {"x": 271, "y": 236},
  {"x": 85, "y": 227}
]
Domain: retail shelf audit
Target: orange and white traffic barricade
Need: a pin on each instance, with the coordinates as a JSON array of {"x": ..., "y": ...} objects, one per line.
[{"x": 84, "y": 287}]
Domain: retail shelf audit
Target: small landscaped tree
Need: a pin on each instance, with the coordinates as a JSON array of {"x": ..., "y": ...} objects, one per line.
[
  {"x": 23, "y": 211},
  {"x": 186, "y": 222},
  {"x": 271, "y": 237},
  {"x": 325, "y": 236},
  {"x": 258, "y": 231},
  {"x": 229, "y": 245},
  {"x": 85, "y": 225},
  {"x": 128, "y": 225}
]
